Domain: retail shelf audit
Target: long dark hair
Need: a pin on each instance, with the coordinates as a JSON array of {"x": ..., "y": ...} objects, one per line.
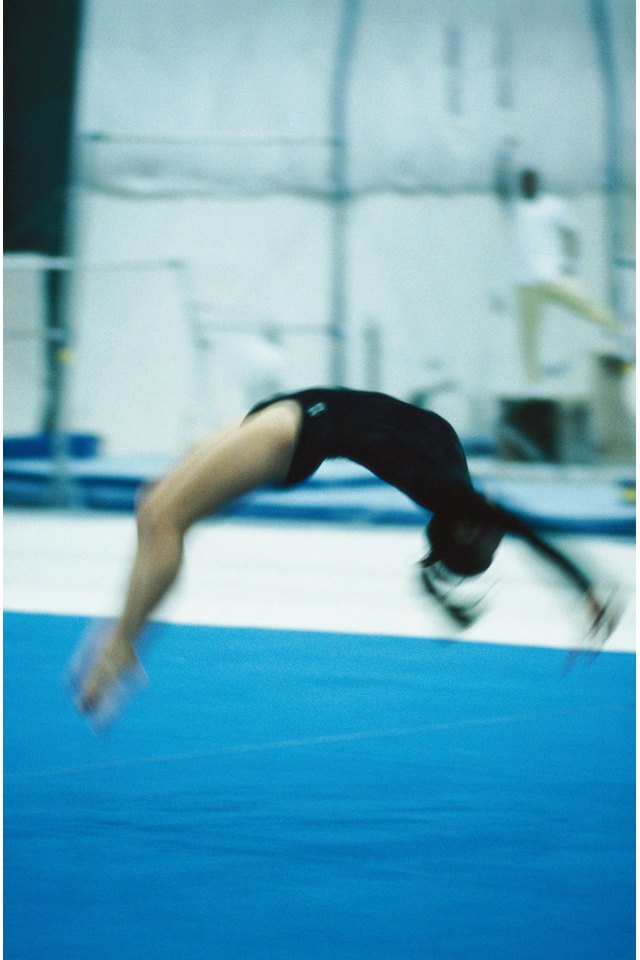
[{"x": 449, "y": 562}]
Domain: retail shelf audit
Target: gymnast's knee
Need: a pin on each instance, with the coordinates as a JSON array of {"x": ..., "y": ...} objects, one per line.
[{"x": 154, "y": 521}]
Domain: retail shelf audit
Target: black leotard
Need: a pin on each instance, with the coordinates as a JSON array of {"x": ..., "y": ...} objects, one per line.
[{"x": 414, "y": 450}]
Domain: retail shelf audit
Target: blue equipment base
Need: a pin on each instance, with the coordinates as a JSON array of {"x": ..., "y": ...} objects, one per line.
[{"x": 340, "y": 491}]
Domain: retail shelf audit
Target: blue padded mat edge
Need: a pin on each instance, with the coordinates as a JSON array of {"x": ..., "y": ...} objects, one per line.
[{"x": 338, "y": 492}]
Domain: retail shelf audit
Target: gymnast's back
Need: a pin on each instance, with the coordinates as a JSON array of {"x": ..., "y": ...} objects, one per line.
[{"x": 402, "y": 444}]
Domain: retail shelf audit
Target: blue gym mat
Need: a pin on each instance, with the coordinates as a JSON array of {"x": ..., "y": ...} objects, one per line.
[
  {"x": 339, "y": 491},
  {"x": 278, "y": 795}
]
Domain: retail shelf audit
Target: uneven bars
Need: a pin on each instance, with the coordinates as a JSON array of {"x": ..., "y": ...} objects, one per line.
[
  {"x": 42, "y": 262},
  {"x": 261, "y": 325},
  {"x": 218, "y": 139}
]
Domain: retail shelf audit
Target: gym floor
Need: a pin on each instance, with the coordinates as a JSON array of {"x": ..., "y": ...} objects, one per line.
[{"x": 319, "y": 767}]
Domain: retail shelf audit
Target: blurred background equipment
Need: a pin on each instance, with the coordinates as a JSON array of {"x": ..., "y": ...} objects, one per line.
[{"x": 317, "y": 166}]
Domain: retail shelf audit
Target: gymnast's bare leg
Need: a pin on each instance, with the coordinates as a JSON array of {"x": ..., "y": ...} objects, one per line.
[{"x": 221, "y": 468}]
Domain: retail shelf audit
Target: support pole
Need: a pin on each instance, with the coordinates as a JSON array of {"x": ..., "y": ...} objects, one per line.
[
  {"x": 57, "y": 347},
  {"x": 340, "y": 192},
  {"x": 600, "y": 20}
]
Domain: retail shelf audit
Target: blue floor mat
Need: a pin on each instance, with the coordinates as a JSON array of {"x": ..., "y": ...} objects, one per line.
[{"x": 278, "y": 795}]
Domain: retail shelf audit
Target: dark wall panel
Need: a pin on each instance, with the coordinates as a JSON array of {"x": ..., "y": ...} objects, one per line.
[{"x": 41, "y": 40}]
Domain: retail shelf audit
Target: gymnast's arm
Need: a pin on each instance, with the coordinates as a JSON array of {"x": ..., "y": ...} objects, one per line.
[
  {"x": 451, "y": 496},
  {"x": 512, "y": 524},
  {"x": 457, "y": 499},
  {"x": 602, "y": 615}
]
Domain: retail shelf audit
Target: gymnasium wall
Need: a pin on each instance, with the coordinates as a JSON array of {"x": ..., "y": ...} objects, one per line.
[
  {"x": 429, "y": 269},
  {"x": 203, "y": 137},
  {"x": 431, "y": 91}
]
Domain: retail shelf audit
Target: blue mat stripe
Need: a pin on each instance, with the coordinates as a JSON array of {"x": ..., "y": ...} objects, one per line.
[{"x": 338, "y": 492}]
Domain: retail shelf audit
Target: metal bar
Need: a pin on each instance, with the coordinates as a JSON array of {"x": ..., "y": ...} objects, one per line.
[
  {"x": 453, "y": 58},
  {"x": 56, "y": 338},
  {"x": 53, "y": 336},
  {"x": 220, "y": 139},
  {"x": 373, "y": 355},
  {"x": 261, "y": 326},
  {"x": 504, "y": 66},
  {"x": 59, "y": 310},
  {"x": 37, "y": 262},
  {"x": 612, "y": 140},
  {"x": 340, "y": 191}
]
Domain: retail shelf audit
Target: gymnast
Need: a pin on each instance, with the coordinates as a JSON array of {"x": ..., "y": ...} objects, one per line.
[{"x": 282, "y": 442}]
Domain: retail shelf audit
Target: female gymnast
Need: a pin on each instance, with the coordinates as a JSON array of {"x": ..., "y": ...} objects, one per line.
[{"x": 282, "y": 442}]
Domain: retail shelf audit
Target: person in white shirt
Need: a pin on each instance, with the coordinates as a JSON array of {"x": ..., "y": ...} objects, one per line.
[{"x": 545, "y": 248}]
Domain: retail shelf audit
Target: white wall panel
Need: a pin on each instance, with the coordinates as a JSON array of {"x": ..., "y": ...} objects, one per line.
[
  {"x": 424, "y": 104},
  {"x": 432, "y": 271},
  {"x": 209, "y": 93}
]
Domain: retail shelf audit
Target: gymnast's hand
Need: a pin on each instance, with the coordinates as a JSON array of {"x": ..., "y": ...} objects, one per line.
[
  {"x": 117, "y": 659},
  {"x": 104, "y": 673},
  {"x": 604, "y": 617}
]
